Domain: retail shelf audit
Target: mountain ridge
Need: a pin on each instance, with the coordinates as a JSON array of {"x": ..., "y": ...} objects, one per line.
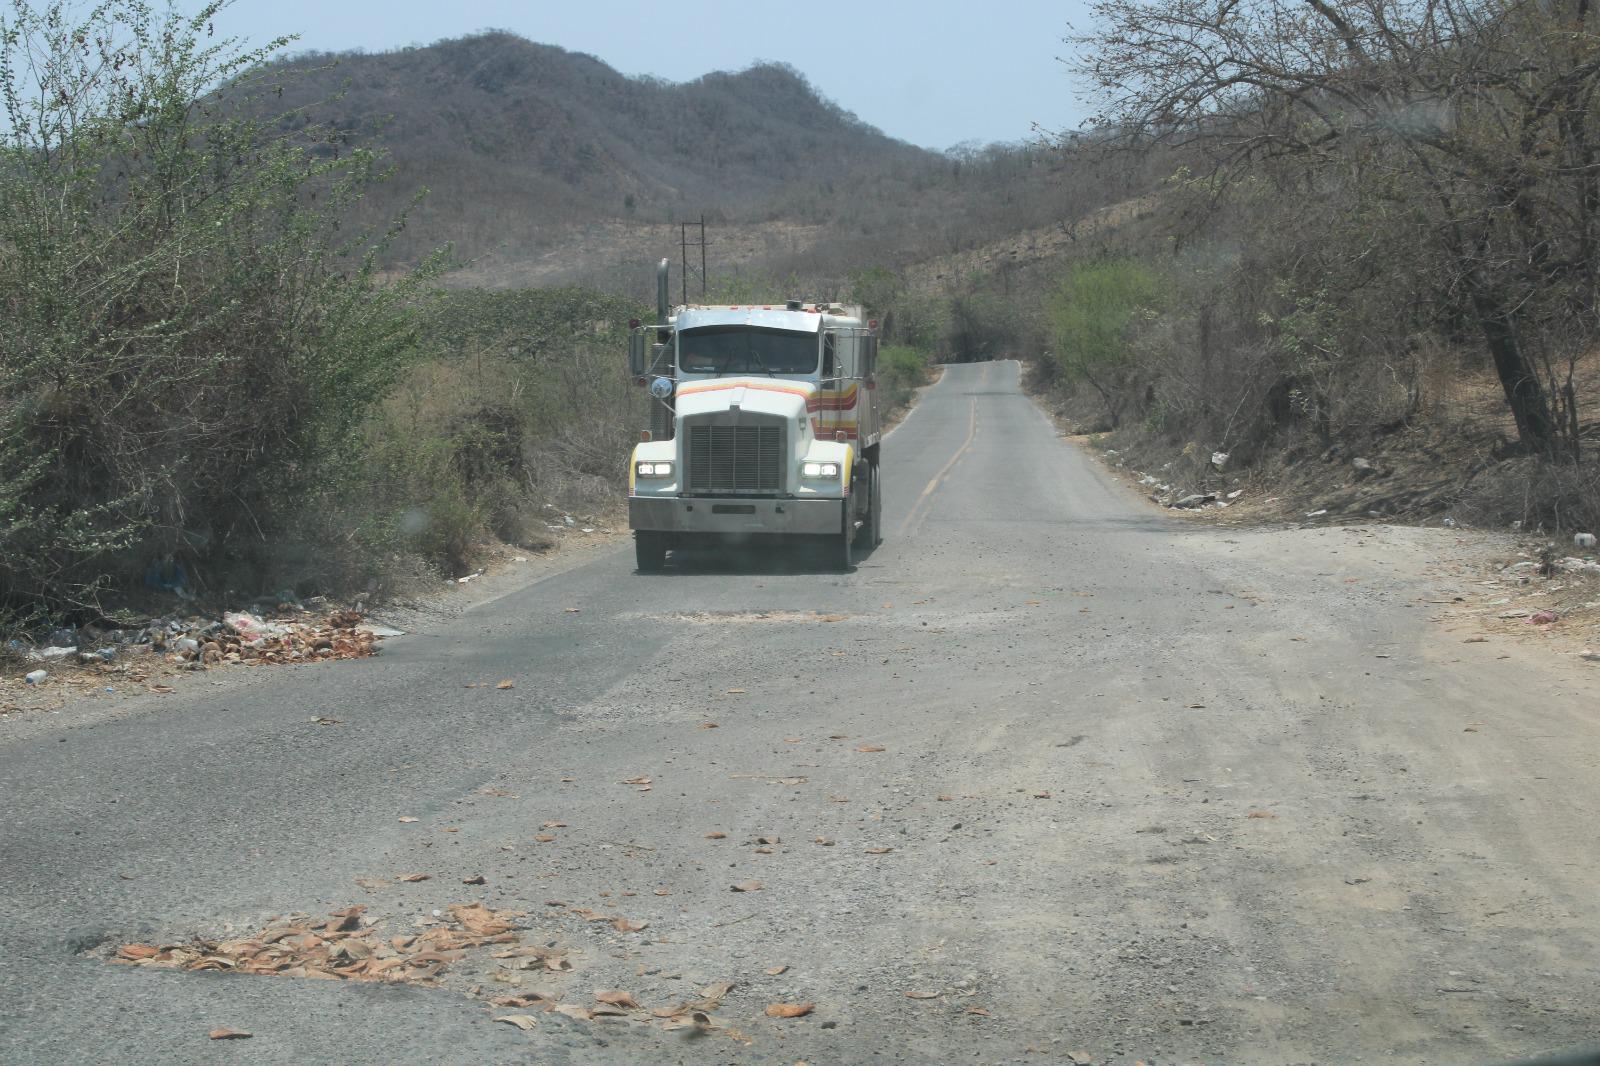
[{"x": 518, "y": 141}]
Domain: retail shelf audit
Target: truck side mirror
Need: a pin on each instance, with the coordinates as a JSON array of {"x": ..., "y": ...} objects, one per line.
[{"x": 638, "y": 349}]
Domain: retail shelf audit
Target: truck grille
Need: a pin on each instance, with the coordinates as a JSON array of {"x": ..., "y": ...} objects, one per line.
[{"x": 745, "y": 458}]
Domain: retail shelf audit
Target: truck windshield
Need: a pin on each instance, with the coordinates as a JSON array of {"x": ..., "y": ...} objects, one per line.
[{"x": 746, "y": 350}]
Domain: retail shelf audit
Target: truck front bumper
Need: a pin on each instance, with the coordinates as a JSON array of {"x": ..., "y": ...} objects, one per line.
[{"x": 735, "y": 515}]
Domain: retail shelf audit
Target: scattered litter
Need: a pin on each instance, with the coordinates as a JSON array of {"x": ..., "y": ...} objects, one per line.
[
  {"x": 1583, "y": 540},
  {"x": 1543, "y": 618},
  {"x": 35, "y": 677}
]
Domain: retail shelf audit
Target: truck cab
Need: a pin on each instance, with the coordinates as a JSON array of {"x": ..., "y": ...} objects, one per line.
[{"x": 766, "y": 427}]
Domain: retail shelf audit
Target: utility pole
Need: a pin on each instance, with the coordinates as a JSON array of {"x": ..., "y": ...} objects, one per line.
[{"x": 684, "y": 244}]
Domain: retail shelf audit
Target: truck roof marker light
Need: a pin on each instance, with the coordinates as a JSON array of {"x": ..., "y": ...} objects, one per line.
[{"x": 645, "y": 436}]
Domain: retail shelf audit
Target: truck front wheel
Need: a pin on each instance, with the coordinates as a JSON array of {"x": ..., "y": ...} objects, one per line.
[
  {"x": 870, "y": 534},
  {"x": 650, "y": 550}
]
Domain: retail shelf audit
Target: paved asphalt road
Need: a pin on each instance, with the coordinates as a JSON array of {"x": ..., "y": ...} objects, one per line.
[{"x": 1152, "y": 792}]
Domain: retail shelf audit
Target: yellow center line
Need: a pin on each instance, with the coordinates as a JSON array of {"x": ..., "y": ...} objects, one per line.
[{"x": 972, "y": 431}]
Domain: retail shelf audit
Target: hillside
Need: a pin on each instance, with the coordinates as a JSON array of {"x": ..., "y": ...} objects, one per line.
[{"x": 517, "y": 143}]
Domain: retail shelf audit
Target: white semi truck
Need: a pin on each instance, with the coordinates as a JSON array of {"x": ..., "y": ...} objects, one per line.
[{"x": 764, "y": 424}]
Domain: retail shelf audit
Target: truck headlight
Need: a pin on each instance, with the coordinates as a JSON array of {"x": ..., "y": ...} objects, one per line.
[
  {"x": 820, "y": 470},
  {"x": 653, "y": 469}
]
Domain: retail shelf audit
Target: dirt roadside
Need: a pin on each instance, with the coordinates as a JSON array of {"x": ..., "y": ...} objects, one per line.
[
  {"x": 138, "y": 681},
  {"x": 1507, "y": 588}
]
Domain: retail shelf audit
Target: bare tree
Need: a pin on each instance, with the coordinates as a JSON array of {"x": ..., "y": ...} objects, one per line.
[{"x": 1472, "y": 117}]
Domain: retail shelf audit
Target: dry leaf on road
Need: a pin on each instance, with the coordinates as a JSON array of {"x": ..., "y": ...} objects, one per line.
[
  {"x": 521, "y": 1021},
  {"x": 922, "y": 995},
  {"x": 746, "y": 886},
  {"x": 718, "y": 991},
  {"x": 773, "y": 971},
  {"x": 616, "y": 998},
  {"x": 982, "y": 1012},
  {"x": 879, "y": 851},
  {"x": 554, "y": 825},
  {"x": 623, "y": 925},
  {"x": 475, "y": 879},
  {"x": 544, "y": 838},
  {"x": 407, "y": 818},
  {"x": 507, "y": 683},
  {"x": 522, "y": 999},
  {"x": 789, "y": 1010},
  {"x": 870, "y": 748},
  {"x": 716, "y": 834},
  {"x": 479, "y": 920},
  {"x": 583, "y": 1014},
  {"x": 1261, "y": 814},
  {"x": 637, "y": 781},
  {"x": 414, "y": 878},
  {"x": 229, "y": 1034}
]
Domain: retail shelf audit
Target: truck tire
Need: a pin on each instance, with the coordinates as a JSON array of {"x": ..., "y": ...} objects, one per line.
[
  {"x": 877, "y": 507},
  {"x": 650, "y": 550},
  {"x": 867, "y": 537},
  {"x": 845, "y": 542}
]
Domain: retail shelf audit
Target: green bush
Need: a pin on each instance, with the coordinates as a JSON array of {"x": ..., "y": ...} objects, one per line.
[
  {"x": 1091, "y": 315},
  {"x": 901, "y": 371},
  {"x": 194, "y": 338}
]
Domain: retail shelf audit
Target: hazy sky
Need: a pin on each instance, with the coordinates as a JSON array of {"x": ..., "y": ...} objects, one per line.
[{"x": 936, "y": 72}]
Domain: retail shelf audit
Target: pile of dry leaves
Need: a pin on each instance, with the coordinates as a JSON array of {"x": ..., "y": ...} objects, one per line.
[
  {"x": 349, "y": 947},
  {"x": 342, "y": 948}
]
